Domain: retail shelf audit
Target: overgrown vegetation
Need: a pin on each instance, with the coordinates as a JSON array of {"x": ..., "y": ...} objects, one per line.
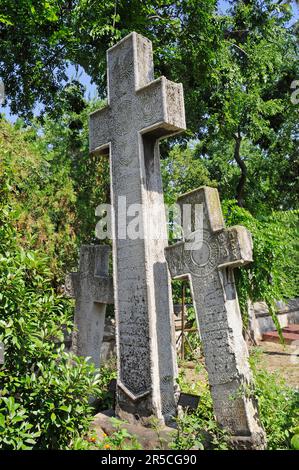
[
  {"x": 237, "y": 68},
  {"x": 45, "y": 391},
  {"x": 198, "y": 429},
  {"x": 274, "y": 273},
  {"x": 278, "y": 407}
]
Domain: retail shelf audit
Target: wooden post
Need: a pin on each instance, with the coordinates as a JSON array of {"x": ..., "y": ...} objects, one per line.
[{"x": 183, "y": 322}]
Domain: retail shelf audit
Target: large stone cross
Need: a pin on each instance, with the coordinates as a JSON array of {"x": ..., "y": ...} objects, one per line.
[
  {"x": 207, "y": 257},
  {"x": 92, "y": 288},
  {"x": 140, "y": 111}
]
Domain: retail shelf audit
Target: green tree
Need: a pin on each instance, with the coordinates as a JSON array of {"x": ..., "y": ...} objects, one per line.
[
  {"x": 55, "y": 184},
  {"x": 236, "y": 68},
  {"x": 182, "y": 172},
  {"x": 39, "y": 39},
  {"x": 41, "y": 196},
  {"x": 249, "y": 112},
  {"x": 45, "y": 391}
]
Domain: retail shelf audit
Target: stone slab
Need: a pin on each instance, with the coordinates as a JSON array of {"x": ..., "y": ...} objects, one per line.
[
  {"x": 207, "y": 255},
  {"x": 289, "y": 336}
]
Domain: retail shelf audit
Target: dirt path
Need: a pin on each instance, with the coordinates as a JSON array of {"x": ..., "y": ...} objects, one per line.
[{"x": 282, "y": 359}]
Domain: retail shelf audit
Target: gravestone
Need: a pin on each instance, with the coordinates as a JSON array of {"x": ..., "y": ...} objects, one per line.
[
  {"x": 140, "y": 111},
  {"x": 92, "y": 288},
  {"x": 207, "y": 257}
]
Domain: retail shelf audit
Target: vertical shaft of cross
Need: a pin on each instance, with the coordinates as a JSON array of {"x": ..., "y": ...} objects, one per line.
[{"x": 226, "y": 356}]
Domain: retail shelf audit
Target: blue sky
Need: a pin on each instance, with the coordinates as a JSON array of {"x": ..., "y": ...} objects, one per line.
[{"x": 91, "y": 91}]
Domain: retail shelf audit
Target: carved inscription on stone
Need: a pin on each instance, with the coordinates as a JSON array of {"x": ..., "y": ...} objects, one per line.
[{"x": 140, "y": 110}]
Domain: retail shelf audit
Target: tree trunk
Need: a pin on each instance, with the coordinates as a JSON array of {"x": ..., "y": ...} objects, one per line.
[{"x": 243, "y": 168}]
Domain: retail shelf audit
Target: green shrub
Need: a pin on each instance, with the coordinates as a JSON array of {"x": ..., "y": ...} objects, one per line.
[
  {"x": 278, "y": 405},
  {"x": 198, "y": 429},
  {"x": 295, "y": 442},
  {"x": 15, "y": 430},
  {"x": 273, "y": 275},
  {"x": 45, "y": 392}
]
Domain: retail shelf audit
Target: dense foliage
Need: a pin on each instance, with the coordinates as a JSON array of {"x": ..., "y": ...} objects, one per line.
[
  {"x": 278, "y": 406},
  {"x": 274, "y": 273},
  {"x": 237, "y": 69},
  {"x": 45, "y": 391}
]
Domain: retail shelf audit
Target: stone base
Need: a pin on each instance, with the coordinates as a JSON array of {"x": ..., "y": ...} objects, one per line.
[
  {"x": 256, "y": 442},
  {"x": 149, "y": 438}
]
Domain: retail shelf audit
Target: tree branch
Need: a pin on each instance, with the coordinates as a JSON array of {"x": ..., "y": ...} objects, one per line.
[
  {"x": 243, "y": 168},
  {"x": 240, "y": 48}
]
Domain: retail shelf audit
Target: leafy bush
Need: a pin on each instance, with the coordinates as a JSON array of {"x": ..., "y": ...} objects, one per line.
[
  {"x": 45, "y": 392},
  {"x": 295, "y": 439},
  {"x": 274, "y": 273},
  {"x": 278, "y": 406},
  {"x": 105, "y": 398},
  {"x": 15, "y": 430},
  {"x": 199, "y": 429}
]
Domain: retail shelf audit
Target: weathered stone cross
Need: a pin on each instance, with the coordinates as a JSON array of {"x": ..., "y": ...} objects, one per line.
[
  {"x": 92, "y": 288},
  {"x": 208, "y": 261},
  {"x": 140, "y": 111},
  {"x": 1, "y": 353}
]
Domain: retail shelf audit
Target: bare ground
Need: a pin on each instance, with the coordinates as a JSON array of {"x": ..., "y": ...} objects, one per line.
[
  {"x": 284, "y": 360},
  {"x": 281, "y": 359}
]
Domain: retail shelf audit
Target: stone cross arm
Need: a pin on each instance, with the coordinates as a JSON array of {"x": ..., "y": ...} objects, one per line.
[
  {"x": 211, "y": 246},
  {"x": 92, "y": 279},
  {"x": 92, "y": 288},
  {"x": 136, "y": 102},
  {"x": 100, "y": 287},
  {"x": 234, "y": 248}
]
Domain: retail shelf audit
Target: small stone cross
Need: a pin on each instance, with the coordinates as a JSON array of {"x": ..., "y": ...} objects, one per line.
[{"x": 92, "y": 288}]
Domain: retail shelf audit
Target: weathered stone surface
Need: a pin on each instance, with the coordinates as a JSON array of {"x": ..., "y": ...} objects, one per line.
[
  {"x": 140, "y": 111},
  {"x": 108, "y": 349},
  {"x": 93, "y": 289},
  {"x": 209, "y": 263},
  {"x": 1, "y": 353}
]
